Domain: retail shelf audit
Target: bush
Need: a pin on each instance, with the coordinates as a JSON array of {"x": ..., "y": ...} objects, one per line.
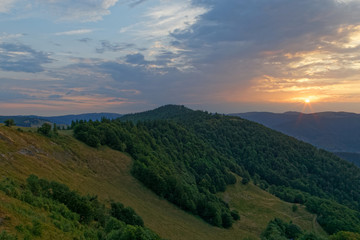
[
  {"x": 345, "y": 236},
  {"x": 36, "y": 228},
  {"x": 294, "y": 208},
  {"x": 6, "y": 236},
  {"x": 235, "y": 215},
  {"x": 126, "y": 214},
  {"x": 45, "y": 129},
  {"x": 245, "y": 180},
  {"x": 9, "y": 122}
]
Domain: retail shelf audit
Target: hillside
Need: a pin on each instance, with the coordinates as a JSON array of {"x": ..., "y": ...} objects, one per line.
[
  {"x": 106, "y": 173},
  {"x": 333, "y": 131},
  {"x": 176, "y": 150}
]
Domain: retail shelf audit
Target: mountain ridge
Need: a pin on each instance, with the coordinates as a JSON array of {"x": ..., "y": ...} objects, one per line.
[
  {"x": 288, "y": 168},
  {"x": 34, "y": 120},
  {"x": 332, "y": 131}
]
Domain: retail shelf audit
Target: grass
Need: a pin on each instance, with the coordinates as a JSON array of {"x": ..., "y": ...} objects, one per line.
[
  {"x": 106, "y": 173},
  {"x": 257, "y": 207}
]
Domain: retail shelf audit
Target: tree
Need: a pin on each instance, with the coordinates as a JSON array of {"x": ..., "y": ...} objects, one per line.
[
  {"x": 55, "y": 129},
  {"x": 45, "y": 129},
  {"x": 245, "y": 180},
  {"x": 345, "y": 236},
  {"x": 9, "y": 122},
  {"x": 294, "y": 207}
]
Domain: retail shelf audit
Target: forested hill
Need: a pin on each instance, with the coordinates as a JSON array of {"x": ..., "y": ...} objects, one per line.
[
  {"x": 187, "y": 156},
  {"x": 333, "y": 131}
]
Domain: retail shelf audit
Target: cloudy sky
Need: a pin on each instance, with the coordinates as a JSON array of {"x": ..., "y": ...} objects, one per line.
[{"x": 74, "y": 56}]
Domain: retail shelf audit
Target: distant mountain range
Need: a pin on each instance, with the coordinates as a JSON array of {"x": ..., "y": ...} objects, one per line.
[
  {"x": 338, "y": 132},
  {"x": 34, "y": 121}
]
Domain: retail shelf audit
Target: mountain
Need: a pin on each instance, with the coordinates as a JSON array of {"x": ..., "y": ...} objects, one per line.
[
  {"x": 337, "y": 132},
  {"x": 189, "y": 157},
  {"x": 35, "y": 121},
  {"x": 25, "y": 121},
  {"x": 188, "y": 174},
  {"x": 106, "y": 173},
  {"x": 67, "y": 119}
]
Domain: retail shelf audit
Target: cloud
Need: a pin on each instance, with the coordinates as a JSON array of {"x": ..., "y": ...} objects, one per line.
[
  {"x": 134, "y": 3},
  {"x": 7, "y": 36},
  {"x": 22, "y": 58},
  {"x": 163, "y": 20},
  {"x": 137, "y": 58},
  {"x": 6, "y": 5},
  {"x": 83, "y": 87},
  {"x": 207, "y": 52},
  {"x": 85, "y": 40},
  {"x": 113, "y": 47},
  {"x": 75, "y": 32},
  {"x": 242, "y": 43},
  {"x": 79, "y": 10},
  {"x": 158, "y": 23}
]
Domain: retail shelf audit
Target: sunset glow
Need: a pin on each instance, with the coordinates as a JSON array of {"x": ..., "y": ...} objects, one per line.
[{"x": 128, "y": 56}]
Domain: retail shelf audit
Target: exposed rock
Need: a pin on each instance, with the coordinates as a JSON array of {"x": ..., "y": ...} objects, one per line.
[
  {"x": 27, "y": 152},
  {"x": 5, "y": 138}
]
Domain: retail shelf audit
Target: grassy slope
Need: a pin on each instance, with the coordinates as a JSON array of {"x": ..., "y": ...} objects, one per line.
[{"x": 106, "y": 173}]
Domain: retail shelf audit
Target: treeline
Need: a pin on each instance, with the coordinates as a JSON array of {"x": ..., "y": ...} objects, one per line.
[
  {"x": 186, "y": 156},
  {"x": 171, "y": 161},
  {"x": 278, "y": 229},
  {"x": 82, "y": 216}
]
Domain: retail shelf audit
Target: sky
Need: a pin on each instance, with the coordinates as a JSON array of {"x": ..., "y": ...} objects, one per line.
[{"x": 77, "y": 56}]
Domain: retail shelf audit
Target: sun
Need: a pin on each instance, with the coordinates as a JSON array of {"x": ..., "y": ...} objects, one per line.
[{"x": 307, "y": 100}]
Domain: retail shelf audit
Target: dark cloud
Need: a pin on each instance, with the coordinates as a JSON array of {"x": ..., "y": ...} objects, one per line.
[
  {"x": 134, "y": 3},
  {"x": 124, "y": 72},
  {"x": 137, "y": 58},
  {"x": 54, "y": 97},
  {"x": 234, "y": 28},
  {"x": 113, "y": 47},
  {"x": 22, "y": 58},
  {"x": 85, "y": 40}
]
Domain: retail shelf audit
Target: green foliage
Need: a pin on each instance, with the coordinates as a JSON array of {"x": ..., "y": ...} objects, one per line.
[
  {"x": 294, "y": 207},
  {"x": 55, "y": 129},
  {"x": 277, "y": 229},
  {"x": 45, "y": 129},
  {"x": 6, "y": 236},
  {"x": 311, "y": 236},
  {"x": 235, "y": 215},
  {"x": 125, "y": 214},
  {"x": 334, "y": 217},
  {"x": 187, "y": 156},
  {"x": 9, "y": 122},
  {"x": 130, "y": 233},
  {"x": 36, "y": 229},
  {"x": 72, "y": 212},
  {"x": 245, "y": 180},
  {"x": 345, "y": 236},
  {"x": 171, "y": 161}
]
